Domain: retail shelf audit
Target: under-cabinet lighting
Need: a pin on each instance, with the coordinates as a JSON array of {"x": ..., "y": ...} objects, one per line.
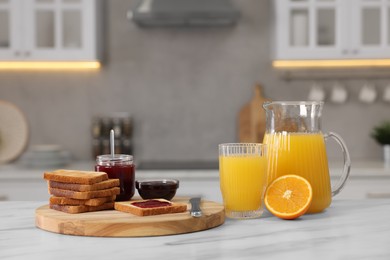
[
  {"x": 49, "y": 65},
  {"x": 284, "y": 64}
]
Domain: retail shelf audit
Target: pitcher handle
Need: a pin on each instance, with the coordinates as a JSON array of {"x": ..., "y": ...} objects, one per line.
[{"x": 347, "y": 163}]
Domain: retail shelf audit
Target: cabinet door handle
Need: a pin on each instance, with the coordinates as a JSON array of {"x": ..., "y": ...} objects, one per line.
[
  {"x": 355, "y": 51},
  {"x": 17, "y": 53},
  {"x": 27, "y": 53},
  {"x": 345, "y": 51}
]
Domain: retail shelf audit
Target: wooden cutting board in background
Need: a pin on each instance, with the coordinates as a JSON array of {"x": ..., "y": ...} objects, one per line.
[{"x": 251, "y": 118}]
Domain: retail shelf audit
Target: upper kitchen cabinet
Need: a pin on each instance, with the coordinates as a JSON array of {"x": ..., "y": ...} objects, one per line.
[
  {"x": 332, "y": 29},
  {"x": 49, "y": 30}
]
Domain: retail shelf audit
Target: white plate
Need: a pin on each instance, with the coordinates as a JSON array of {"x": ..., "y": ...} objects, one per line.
[
  {"x": 41, "y": 160},
  {"x": 13, "y": 132}
]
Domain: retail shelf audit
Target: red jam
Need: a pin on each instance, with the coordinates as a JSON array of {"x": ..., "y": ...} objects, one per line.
[
  {"x": 151, "y": 204},
  {"x": 121, "y": 167}
]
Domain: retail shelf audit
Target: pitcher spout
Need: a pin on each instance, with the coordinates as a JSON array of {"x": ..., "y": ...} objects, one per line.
[{"x": 267, "y": 104}]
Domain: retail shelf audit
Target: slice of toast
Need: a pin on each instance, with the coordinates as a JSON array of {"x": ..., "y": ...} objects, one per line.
[
  {"x": 81, "y": 208},
  {"x": 75, "y": 176},
  {"x": 84, "y": 187},
  {"x": 75, "y": 202},
  {"x": 83, "y": 195},
  {"x": 150, "y": 207}
]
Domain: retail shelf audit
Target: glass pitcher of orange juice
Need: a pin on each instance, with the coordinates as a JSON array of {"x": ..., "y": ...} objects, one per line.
[{"x": 296, "y": 145}]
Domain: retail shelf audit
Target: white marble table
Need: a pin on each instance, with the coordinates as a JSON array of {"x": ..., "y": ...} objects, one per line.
[{"x": 349, "y": 229}]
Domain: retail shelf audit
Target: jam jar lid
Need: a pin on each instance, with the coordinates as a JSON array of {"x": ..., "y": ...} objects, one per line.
[{"x": 116, "y": 159}]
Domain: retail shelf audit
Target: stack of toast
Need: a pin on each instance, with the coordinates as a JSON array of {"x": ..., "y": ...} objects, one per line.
[{"x": 81, "y": 191}]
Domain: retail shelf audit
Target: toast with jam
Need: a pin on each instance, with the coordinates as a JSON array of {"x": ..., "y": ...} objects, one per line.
[{"x": 150, "y": 207}]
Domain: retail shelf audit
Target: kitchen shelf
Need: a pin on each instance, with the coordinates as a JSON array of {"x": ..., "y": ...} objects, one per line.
[{"x": 334, "y": 73}]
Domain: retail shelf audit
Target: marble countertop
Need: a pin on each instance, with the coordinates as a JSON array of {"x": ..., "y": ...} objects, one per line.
[{"x": 349, "y": 229}]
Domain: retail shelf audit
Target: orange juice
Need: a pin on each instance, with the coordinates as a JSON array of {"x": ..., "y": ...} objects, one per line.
[
  {"x": 243, "y": 181},
  {"x": 303, "y": 154}
]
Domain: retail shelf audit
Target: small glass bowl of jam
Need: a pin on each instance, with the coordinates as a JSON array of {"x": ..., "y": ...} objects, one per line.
[{"x": 157, "y": 188}]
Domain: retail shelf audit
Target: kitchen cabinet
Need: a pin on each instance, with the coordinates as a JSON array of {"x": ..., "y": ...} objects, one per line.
[
  {"x": 49, "y": 30},
  {"x": 331, "y": 29}
]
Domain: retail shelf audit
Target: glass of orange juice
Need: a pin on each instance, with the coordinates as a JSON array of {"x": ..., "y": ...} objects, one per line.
[{"x": 243, "y": 178}]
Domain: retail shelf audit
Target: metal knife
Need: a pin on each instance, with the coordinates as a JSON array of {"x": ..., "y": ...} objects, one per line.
[{"x": 195, "y": 207}]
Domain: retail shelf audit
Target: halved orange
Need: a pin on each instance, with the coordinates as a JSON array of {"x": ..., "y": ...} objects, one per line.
[{"x": 288, "y": 197}]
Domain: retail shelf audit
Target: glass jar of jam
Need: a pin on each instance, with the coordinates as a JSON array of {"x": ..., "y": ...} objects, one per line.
[{"x": 119, "y": 166}]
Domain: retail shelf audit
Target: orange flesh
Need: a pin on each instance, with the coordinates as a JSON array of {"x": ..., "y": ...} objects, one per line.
[{"x": 288, "y": 197}]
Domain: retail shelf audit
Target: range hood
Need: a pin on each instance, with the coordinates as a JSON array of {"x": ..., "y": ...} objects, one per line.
[{"x": 184, "y": 13}]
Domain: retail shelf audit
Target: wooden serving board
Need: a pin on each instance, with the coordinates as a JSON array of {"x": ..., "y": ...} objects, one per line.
[{"x": 112, "y": 223}]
